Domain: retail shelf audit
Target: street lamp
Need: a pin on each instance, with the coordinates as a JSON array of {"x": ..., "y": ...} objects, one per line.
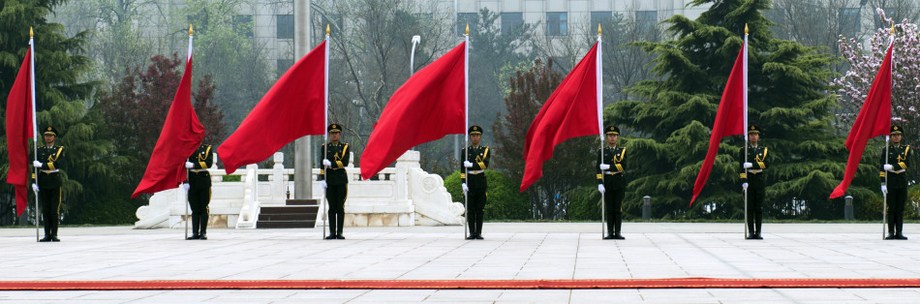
[{"x": 415, "y": 40}]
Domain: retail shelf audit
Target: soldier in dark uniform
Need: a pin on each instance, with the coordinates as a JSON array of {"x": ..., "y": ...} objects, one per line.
[
  {"x": 894, "y": 167},
  {"x": 752, "y": 181},
  {"x": 50, "y": 160},
  {"x": 199, "y": 190},
  {"x": 335, "y": 179},
  {"x": 473, "y": 179},
  {"x": 611, "y": 168}
]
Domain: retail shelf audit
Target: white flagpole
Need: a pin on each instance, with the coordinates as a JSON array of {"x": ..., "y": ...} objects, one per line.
[
  {"x": 326, "y": 134},
  {"x": 187, "y": 59},
  {"x": 746, "y": 139},
  {"x": 888, "y": 137},
  {"x": 466, "y": 126},
  {"x": 600, "y": 123},
  {"x": 34, "y": 119}
]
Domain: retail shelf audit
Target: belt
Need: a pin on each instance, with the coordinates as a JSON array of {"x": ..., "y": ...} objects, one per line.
[
  {"x": 755, "y": 171},
  {"x": 198, "y": 170},
  {"x": 612, "y": 172},
  {"x": 50, "y": 171},
  {"x": 475, "y": 171},
  {"x": 899, "y": 171}
]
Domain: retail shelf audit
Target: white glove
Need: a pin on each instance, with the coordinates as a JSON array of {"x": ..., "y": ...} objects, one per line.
[
  {"x": 604, "y": 167},
  {"x": 322, "y": 184},
  {"x": 189, "y": 165},
  {"x": 465, "y": 188},
  {"x": 744, "y": 185},
  {"x": 467, "y": 164},
  {"x": 884, "y": 189},
  {"x": 747, "y": 165},
  {"x": 601, "y": 189},
  {"x": 185, "y": 186},
  {"x": 888, "y": 167},
  {"x": 327, "y": 163},
  {"x": 36, "y": 164},
  {"x": 35, "y": 187}
]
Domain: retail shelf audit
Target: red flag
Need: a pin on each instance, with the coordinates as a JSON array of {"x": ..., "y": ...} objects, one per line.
[
  {"x": 874, "y": 119},
  {"x": 294, "y": 107},
  {"x": 181, "y": 135},
  {"x": 730, "y": 117},
  {"x": 571, "y": 111},
  {"x": 19, "y": 130},
  {"x": 431, "y": 104}
]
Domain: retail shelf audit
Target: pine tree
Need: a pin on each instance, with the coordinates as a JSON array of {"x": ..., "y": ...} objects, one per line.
[
  {"x": 62, "y": 94},
  {"x": 788, "y": 98}
]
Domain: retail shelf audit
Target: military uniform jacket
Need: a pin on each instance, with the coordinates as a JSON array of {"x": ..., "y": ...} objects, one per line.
[
  {"x": 338, "y": 155},
  {"x": 480, "y": 157},
  {"x": 756, "y": 156},
  {"x": 899, "y": 158},
  {"x": 613, "y": 178},
  {"x": 198, "y": 175},
  {"x": 49, "y": 176}
]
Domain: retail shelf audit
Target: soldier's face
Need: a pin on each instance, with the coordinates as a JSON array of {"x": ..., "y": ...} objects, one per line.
[
  {"x": 754, "y": 138},
  {"x": 475, "y": 139},
  {"x": 49, "y": 139},
  {"x": 896, "y": 138},
  {"x": 335, "y": 136},
  {"x": 612, "y": 139}
]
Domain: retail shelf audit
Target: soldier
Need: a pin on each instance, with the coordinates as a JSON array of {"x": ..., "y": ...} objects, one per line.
[
  {"x": 473, "y": 179},
  {"x": 199, "y": 190},
  {"x": 894, "y": 167},
  {"x": 611, "y": 169},
  {"x": 335, "y": 179},
  {"x": 752, "y": 181},
  {"x": 49, "y": 161}
]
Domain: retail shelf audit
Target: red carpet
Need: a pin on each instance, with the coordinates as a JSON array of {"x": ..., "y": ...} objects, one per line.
[{"x": 462, "y": 284}]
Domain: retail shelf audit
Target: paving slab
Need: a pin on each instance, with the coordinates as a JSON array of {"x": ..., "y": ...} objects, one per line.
[{"x": 510, "y": 251}]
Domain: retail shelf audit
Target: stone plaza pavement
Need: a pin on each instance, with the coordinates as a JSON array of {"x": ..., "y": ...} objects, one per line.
[{"x": 510, "y": 251}]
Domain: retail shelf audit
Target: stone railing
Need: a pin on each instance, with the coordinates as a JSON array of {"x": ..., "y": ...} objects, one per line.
[{"x": 404, "y": 195}]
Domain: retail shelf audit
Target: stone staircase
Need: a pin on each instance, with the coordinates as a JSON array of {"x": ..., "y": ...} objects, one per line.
[{"x": 297, "y": 213}]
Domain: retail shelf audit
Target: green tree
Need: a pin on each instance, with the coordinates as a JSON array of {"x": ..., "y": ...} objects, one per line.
[
  {"x": 787, "y": 98},
  {"x": 62, "y": 96},
  {"x": 529, "y": 88}
]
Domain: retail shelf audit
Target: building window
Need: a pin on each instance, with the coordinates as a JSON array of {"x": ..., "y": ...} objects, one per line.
[
  {"x": 242, "y": 24},
  {"x": 466, "y": 18},
  {"x": 848, "y": 21},
  {"x": 603, "y": 17},
  {"x": 283, "y": 65},
  {"x": 557, "y": 24},
  {"x": 512, "y": 23},
  {"x": 284, "y": 26},
  {"x": 647, "y": 21}
]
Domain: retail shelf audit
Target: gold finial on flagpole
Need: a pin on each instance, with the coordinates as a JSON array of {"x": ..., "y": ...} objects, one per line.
[
  {"x": 467, "y": 29},
  {"x": 599, "y": 30},
  {"x": 31, "y": 34},
  {"x": 892, "y": 28},
  {"x": 745, "y": 28},
  {"x": 327, "y": 29},
  {"x": 190, "y": 30}
]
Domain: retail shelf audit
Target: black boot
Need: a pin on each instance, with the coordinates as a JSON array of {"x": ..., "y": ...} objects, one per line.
[
  {"x": 340, "y": 218},
  {"x": 332, "y": 219},
  {"x": 203, "y": 228},
  {"x": 617, "y": 227},
  {"x": 891, "y": 235},
  {"x": 479, "y": 228},
  {"x": 899, "y": 228},
  {"x": 195, "y": 234}
]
